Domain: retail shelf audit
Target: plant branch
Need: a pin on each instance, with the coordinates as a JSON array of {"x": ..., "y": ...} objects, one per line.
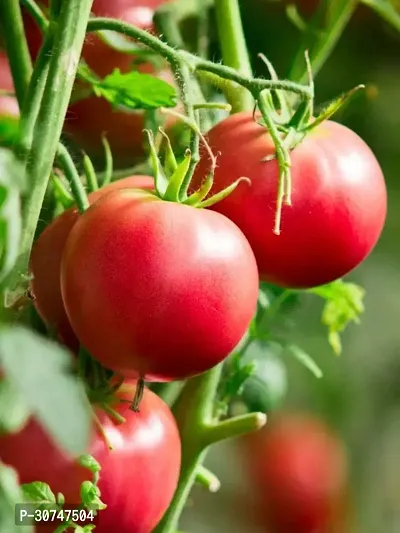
[
  {"x": 195, "y": 63},
  {"x": 195, "y": 415},
  {"x": 16, "y": 46},
  {"x": 69, "y": 169},
  {"x": 234, "y": 49},
  {"x": 69, "y": 35},
  {"x": 36, "y": 13}
]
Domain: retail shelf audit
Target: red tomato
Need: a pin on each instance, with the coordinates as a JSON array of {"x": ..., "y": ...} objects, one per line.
[
  {"x": 157, "y": 289},
  {"x": 338, "y": 194},
  {"x": 299, "y": 469},
  {"x": 138, "y": 476},
  {"x": 88, "y": 119},
  {"x": 8, "y": 104},
  {"x": 45, "y": 263}
]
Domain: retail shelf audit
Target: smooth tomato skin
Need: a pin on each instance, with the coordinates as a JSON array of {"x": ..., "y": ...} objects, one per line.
[
  {"x": 138, "y": 476},
  {"x": 339, "y": 200},
  {"x": 300, "y": 471},
  {"x": 45, "y": 262},
  {"x": 157, "y": 289},
  {"x": 8, "y": 104}
]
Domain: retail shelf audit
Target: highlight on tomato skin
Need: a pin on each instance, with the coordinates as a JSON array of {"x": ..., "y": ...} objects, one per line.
[
  {"x": 174, "y": 310},
  {"x": 300, "y": 473},
  {"x": 339, "y": 200},
  {"x": 45, "y": 263},
  {"x": 138, "y": 476}
]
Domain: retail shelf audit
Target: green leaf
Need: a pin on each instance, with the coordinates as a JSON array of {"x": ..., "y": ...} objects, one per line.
[
  {"x": 135, "y": 91},
  {"x": 41, "y": 372},
  {"x": 89, "y": 462},
  {"x": 11, "y": 185},
  {"x": 344, "y": 304},
  {"x": 14, "y": 411},
  {"x": 387, "y": 9},
  {"x": 305, "y": 359},
  {"x": 38, "y": 492},
  {"x": 90, "y": 496},
  {"x": 10, "y": 495}
]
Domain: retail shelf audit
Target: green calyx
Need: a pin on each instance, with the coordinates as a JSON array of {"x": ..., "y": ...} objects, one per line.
[{"x": 170, "y": 178}]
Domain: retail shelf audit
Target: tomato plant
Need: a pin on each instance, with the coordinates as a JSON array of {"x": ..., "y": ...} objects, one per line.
[
  {"x": 147, "y": 443},
  {"x": 182, "y": 278},
  {"x": 338, "y": 200},
  {"x": 186, "y": 291},
  {"x": 299, "y": 468},
  {"x": 45, "y": 263}
]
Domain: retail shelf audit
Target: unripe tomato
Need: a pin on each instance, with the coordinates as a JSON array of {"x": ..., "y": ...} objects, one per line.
[
  {"x": 339, "y": 199},
  {"x": 157, "y": 289},
  {"x": 138, "y": 476},
  {"x": 299, "y": 470},
  {"x": 45, "y": 263}
]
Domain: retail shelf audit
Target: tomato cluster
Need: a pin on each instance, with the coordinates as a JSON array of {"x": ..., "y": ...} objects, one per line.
[{"x": 300, "y": 474}]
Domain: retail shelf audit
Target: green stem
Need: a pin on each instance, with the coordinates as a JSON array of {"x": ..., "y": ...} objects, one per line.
[
  {"x": 234, "y": 49},
  {"x": 36, "y": 13},
  {"x": 320, "y": 42},
  {"x": 195, "y": 63},
  {"x": 90, "y": 173},
  {"x": 168, "y": 392},
  {"x": 16, "y": 46},
  {"x": 34, "y": 95},
  {"x": 69, "y": 169},
  {"x": 68, "y": 41},
  {"x": 195, "y": 415}
]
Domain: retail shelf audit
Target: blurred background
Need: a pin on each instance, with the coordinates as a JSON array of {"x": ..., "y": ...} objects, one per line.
[{"x": 359, "y": 395}]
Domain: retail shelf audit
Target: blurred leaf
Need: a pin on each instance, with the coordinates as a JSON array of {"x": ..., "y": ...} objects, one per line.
[
  {"x": 305, "y": 359},
  {"x": 344, "y": 304},
  {"x": 11, "y": 185},
  {"x": 38, "y": 492},
  {"x": 389, "y": 10},
  {"x": 14, "y": 411},
  {"x": 41, "y": 371},
  {"x": 10, "y": 495},
  {"x": 136, "y": 91}
]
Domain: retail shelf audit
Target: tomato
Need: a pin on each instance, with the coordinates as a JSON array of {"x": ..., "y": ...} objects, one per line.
[
  {"x": 45, "y": 263},
  {"x": 157, "y": 289},
  {"x": 299, "y": 469},
  {"x": 8, "y": 104},
  {"x": 138, "y": 476},
  {"x": 88, "y": 119},
  {"x": 339, "y": 200}
]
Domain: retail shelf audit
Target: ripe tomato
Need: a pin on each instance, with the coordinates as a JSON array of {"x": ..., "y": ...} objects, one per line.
[
  {"x": 338, "y": 194},
  {"x": 45, "y": 263},
  {"x": 8, "y": 104},
  {"x": 299, "y": 469},
  {"x": 157, "y": 289},
  {"x": 88, "y": 119},
  {"x": 138, "y": 476}
]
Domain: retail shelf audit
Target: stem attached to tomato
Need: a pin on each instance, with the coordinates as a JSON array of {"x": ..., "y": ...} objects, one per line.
[
  {"x": 195, "y": 63},
  {"x": 234, "y": 49},
  {"x": 69, "y": 35},
  {"x": 16, "y": 46},
  {"x": 195, "y": 415}
]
